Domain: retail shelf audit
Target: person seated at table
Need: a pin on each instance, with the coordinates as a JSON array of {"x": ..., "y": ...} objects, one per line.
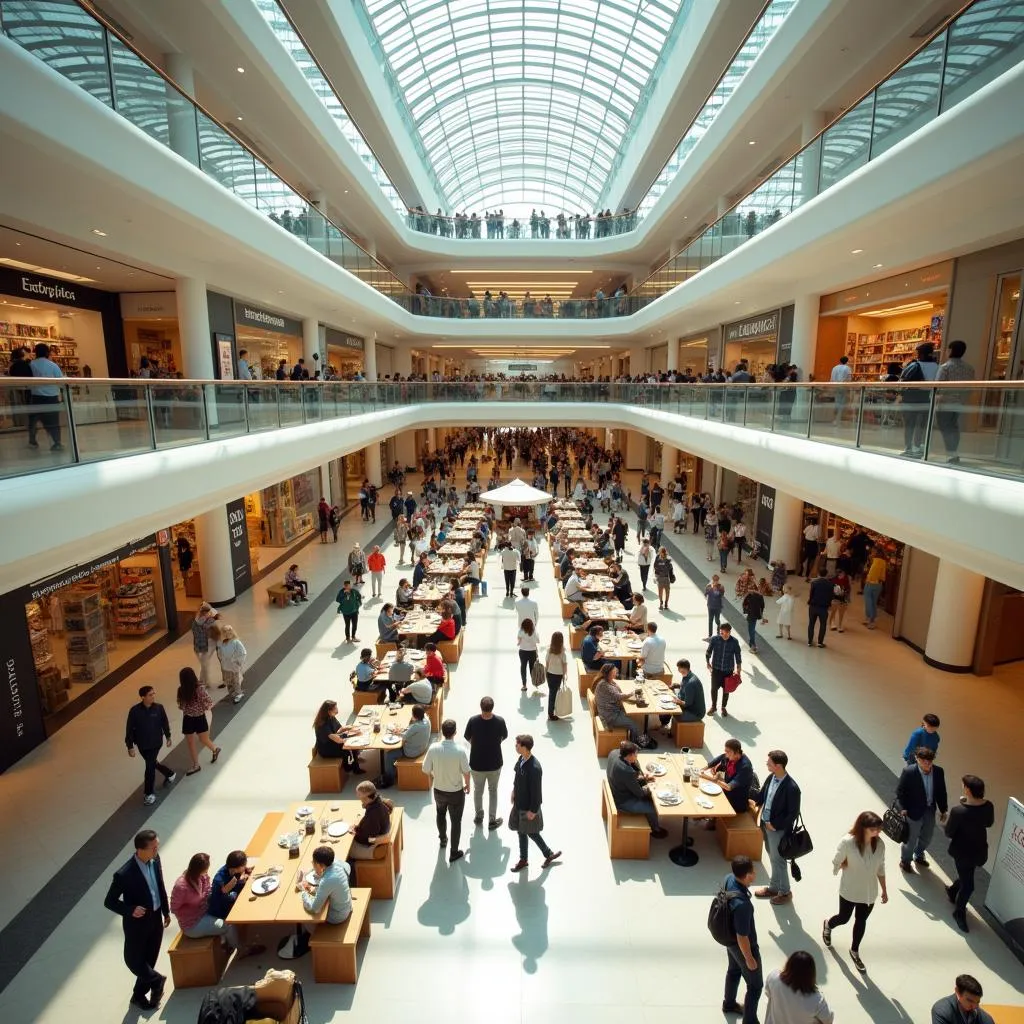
[
  {"x": 590, "y": 651},
  {"x": 565, "y": 568},
  {"x": 652, "y": 652},
  {"x": 415, "y": 740},
  {"x": 331, "y": 890},
  {"x": 449, "y": 604},
  {"x": 631, "y": 787},
  {"x": 190, "y": 899},
  {"x": 403, "y": 595},
  {"x": 419, "y": 690},
  {"x": 688, "y": 694},
  {"x": 387, "y": 624},
  {"x": 330, "y": 737},
  {"x": 610, "y": 702},
  {"x": 445, "y": 628},
  {"x": 637, "y": 622},
  {"x": 602, "y": 542},
  {"x": 227, "y": 884},
  {"x": 733, "y": 771},
  {"x": 573, "y": 588},
  {"x": 433, "y": 666},
  {"x": 365, "y": 673},
  {"x": 294, "y": 585},
  {"x": 623, "y": 589},
  {"x": 373, "y": 830},
  {"x": 458, "y": 595},
  {"x": 420, "y": 571}
]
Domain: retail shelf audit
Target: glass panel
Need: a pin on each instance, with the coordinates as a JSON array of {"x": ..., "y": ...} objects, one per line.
[
  {"x": 45, "y": 422},
  {"x": 114, "y": 420},
  {"x": 224, "y": 159},
  {"x": 984, "y": 41},
  {"x": 758, "y": 414},
  {"x": 225, "y": 408},
  {"x": 894, "y": 420},
  {"x": 993, "y": 442},
  {"x": 262, "y": 407},
  {"x": 909, "y": 99},
  {"x": 311, "y": 410},
  {"x": 289, "y": 397},
  {"x": 846, "y": 144},
  {"x": 792, "y": 411},
  {"x": 835, "y": 414},
  {"x": 140, "y": 94},
  {"x": 178, "y": 414}
]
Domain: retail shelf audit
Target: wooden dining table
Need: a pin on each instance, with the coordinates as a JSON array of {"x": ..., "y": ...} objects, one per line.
[
  {"x": 624, "y": 648},
  {"x": 413, "y": 655},
  {"x": 595, "y": 583},
  {"x": 460, "y": 536},
  {"x": 683, "y": 855},
  {"x": 605, "y": 611},
  {"x": 388, "y": 716},
  {"x": 430, "y": 593},
  {"x": 419, "y": 622},
  {"x": 587, "y": 564},
  {"x": 447, "y": 567},
  {"x": 652, "y": 692},
  {"x": 451, "y": 549}
]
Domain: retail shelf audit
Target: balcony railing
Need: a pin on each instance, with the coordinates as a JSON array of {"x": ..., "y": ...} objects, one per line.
[{"x": 974, "y": 428}]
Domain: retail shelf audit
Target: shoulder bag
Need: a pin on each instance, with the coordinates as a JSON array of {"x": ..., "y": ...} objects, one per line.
[
  {"x": 563, "y": 702},
  {"x": 894, "y": 825},
  {"x": 796, "y": 842}
]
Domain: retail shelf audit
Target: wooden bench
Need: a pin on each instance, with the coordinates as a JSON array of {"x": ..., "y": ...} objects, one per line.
[
  {"x": 410, "y": 773},
  {"x": 577, "y": 634},
  {"x": 334, "y": 945},
  {"x": 325, "y": 774},
  {"x": 197, "y": 963},
  {"x": 567, "y": 606},
  {"x": 382, "y": 648},
  {"x": 629, "y": 835},
  {"x": 435, "y": 711},
  {"x": 688, "y": 734},
  {"x": 587, "y": 679},
  {"x": 739, "y": 835},
  {"x": 381, "y": 875},
  {"x": 606, "y": 740},
  {"x": 362, "y": 698},
  {"x": 279, "y": 595},
  {"x": 269, "y": 827},
  {"x": 1005, "y": 1014},
  {"x": 450, "y": 650}
]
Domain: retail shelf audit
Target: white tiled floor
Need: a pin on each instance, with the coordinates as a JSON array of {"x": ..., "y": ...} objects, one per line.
[{"x": 589, "y": 939}]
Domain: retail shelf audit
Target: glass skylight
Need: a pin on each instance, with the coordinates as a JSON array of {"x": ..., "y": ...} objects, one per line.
[{"x": 523, "y": 103}]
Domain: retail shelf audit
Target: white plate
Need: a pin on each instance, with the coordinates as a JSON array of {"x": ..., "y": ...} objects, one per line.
[
  {"x": 337, "y": 829},
  {"x": 263, "y": 886},
  {"x": 666, "y": 703},
  {"x": 304, "y": 811},
  {"x": 711, "y": 788},
  {"x": 656, "y": 769},
  {"x": 365, "y": 713},
  {"x": 668, "y": 797},
  {"x": 357, "y": 741},
  {"x": 311, "y": 878},
  {"x": 391, "y": 741},
  {"x": 706, "y": 804}
]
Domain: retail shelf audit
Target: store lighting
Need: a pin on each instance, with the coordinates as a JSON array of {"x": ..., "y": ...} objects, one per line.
[
  {"x": 856, "y": 252},
  {"x": 102, "y": 234},
  {"x": 241, "y": 71},
  {"x": 907, "y": 307},
  {"x": 36, "y": 269},
  {"x": 877, "y": 266},
  {"x": 752, "y": 142}
]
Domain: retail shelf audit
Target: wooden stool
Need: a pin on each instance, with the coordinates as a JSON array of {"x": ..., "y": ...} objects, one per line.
[
  {"x": 410, "y": 773},
  {"x": 739, "y": 835},
  {"x": 279, "y": 595},
  {"x": 325, "y": 774},
  {"x": 629, "y": 835},
  {"x": 688, "y": 734},
  {"x": 197, "y": 963},
  {"x": 362, "y": 698}
]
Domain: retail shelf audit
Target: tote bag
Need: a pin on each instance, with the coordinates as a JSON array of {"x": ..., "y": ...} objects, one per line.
[
  {"x": 563, "y": 702},
  {"x": 894, "y": 825}
]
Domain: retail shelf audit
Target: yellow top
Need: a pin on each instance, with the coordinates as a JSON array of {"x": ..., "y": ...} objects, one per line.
[{"x": 876, "y": 573}]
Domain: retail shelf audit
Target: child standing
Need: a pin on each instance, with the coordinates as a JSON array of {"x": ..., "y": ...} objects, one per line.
[
  {"x": 785, "y": 605},
  {"x": 926, "y": 735}
]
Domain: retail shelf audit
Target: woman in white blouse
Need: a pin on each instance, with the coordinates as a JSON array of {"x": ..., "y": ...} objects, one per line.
[
  {"x": 527, "y": 641},
  {"x": 860, "y": 858}
]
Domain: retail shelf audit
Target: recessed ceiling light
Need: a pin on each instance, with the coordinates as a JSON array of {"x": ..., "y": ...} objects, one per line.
[
  {"x": 856, "y": 252},
  {"x": 736, "y": 303},
  {"x": 102, "y": 234},
  {"x": 239, "y": 117},
  {"x": 346, "y": 191},
  {"x": 877, "y": 266},
  {"x": 752, "y": 142},
  {"x": 241, "y": 71}
]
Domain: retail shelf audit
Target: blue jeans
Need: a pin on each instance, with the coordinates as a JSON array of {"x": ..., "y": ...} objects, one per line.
[
  {"x": 524, "y": 849},
  {"x": 209, "y": 925},
  {"x": 920, "y": 837},
  {"x": 754, "y": 980},
  {"x": 871, "y": 592},
  {"x": 779, "y": 881},
  {"x": 752, "y": 631},
  {"x": 637, "y": 806}
]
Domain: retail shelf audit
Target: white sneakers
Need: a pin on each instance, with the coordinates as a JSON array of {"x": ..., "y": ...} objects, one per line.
[
  {"x": 149, "y": 798},
  {"x": 238, "y": 698}
]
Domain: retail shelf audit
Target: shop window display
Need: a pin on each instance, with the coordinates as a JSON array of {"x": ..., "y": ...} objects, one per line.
[{"x": 281, "y": 516}]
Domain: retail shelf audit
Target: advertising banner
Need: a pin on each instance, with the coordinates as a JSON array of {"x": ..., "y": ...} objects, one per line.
[
  {"x": 21, "y": 715},
  {"x": 241, "y": 567},
  {"x": 765, "y": 518},
  {"x": 1005, "y": 898}
]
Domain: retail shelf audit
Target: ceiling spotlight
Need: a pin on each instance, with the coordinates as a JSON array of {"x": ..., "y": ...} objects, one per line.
[
  {"x": 241, "y": 71},
  {"x": 239, "y": 117},
  {"x": 856, "y": 252},
  {"x": 877, "y": 266},
  {"x": 752, "y": 142},
  {"x": 102, "y": 234}
]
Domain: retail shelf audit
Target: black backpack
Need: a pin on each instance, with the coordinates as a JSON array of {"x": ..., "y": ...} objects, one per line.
[{"x": 720, "y": 919}]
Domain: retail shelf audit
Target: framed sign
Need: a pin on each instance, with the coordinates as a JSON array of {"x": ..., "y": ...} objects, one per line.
[{"x": 225, "y": 356}]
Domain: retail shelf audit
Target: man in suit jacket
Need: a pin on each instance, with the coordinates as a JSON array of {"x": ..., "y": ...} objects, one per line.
[
  {"x": 921, "y": 789},
  {"x": 137, "y": 893},
  {"x": 779, "y": 804},
  {"x": 527, "y": 797},
  {"x": 964, "y": 1006}
]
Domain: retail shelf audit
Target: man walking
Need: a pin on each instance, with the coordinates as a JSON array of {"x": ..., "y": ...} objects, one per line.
[
  {"x": 485, "y": 734},
  {"x": 204, "y": 650},
  {"x": 809, "y": 551},
  {"x": 950, "y": 402},
  {"x": 527, "y": 608},
  {"x": 967, "y": 827},
  {"x": 448, "y": 767},
  {"x": 146, "y": 728},
  {"x": 779, "y": 804},
  {"x": 744, "y": 955},
  {"x": 138, "y": 896},
  {"x": 841, "y": 375},
  {"x": 527, "y": 798},
  {"x": 920, "y": 790},
  {"x": 818, "y": 600},
  {"x": 723, "y": 658}
]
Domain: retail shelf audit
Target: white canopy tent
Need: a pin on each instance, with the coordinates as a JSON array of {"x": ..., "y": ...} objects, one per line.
[{"x": 517, "y": 494}]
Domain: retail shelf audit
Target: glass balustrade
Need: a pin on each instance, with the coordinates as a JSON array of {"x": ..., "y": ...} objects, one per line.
[{"x": 976, "y": 428}]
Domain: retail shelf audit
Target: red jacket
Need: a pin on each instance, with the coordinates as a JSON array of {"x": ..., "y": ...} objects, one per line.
[
  {"x": 433, "y": 666},
  {"x": 376, "y": 562}
]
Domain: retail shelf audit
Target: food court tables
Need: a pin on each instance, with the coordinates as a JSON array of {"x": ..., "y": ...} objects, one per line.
[
  {"x": 580, "y": 534},
  {"x": 591, "y": 564},
  {"x": 656, "y": 695},
  {"x": 414, "y": 656},
  {"x": 419, "y": 622},
  {"x": 605, "y": 611},
  {"x": 388, "y": 717},
  {"x": 596, "y": 584},
  {"x": 582, "y": 547},
  {"x": 461, "y": 536},
  {"x": 672, "y": 786},
  {"x": 447, "y": 567},
  {"x": 430, "y": 593},
  {"x": 622, "y": 647},
  {"x": 451, "y": 549}
]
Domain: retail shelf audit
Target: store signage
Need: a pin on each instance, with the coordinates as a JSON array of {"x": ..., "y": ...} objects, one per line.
[
  {"x": 241, "y": 567},
  {"x": 754, "y": 327},
  {"x": 225, "y": 356},
  {"x": 43, "y": 588},
  {"x": 1005, "y": 897},
  {"x": 339, "y": 339},
  {"x": 522, "y": 367},
  {"x": 54, "y": 291},
  {"x": 765, "y": 518},
  {"x": 142, "y": 305},
  {"x": 253, "y": 316},
  {"x": 21, "y": 715}
]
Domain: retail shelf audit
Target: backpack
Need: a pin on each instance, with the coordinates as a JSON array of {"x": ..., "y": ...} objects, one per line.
[{"x": 720, "y": 919}]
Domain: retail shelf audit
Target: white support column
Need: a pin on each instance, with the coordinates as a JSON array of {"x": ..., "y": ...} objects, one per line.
[
  {"x": 311, "y": 345},
  {"x": 370, "y": 359},
  {"x": 432, "y": 439},
  {"x": 182, "y": 133},
  {"x": 403, "y": 362},
  {"x": 669, "y": 459},
  {"x": 812, "y": 124},
  {"x": 371, "y": 455},
  {"x": 724, "y": 206},
  {"x": 405, "y": 448},
  {"x": 953, "y": 626},
  {"x": 673, "y": 354},
  {"x": 636, "y": 450},
  {"x": 213, "y": 541},
  {"x": 787, "y": 530},
  {"x": 194, "y": 329},
  {"x": 805, "y": 333},
  {"x": 719, "y": 480}
]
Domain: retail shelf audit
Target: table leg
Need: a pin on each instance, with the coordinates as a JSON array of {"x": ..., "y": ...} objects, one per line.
[{"x": 682, "y": 855}]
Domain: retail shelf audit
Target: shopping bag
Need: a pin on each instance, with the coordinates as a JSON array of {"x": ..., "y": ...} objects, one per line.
[
  {"x": 731, "y": 683},
  {"x": 563, "y": 702}
]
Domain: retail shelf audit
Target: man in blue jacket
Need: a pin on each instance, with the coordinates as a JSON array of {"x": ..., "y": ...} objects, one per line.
[
  {"x": 723, "y": 657},
  {"x": 920, "y": 790},
  {"x": 145, "y": 729},
  {"x": 779, "y": 804}
]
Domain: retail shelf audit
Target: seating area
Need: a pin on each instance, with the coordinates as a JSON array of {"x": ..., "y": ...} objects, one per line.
[
  {"x": 335, "y": 946},
  {"x": 326, "y": 774},
  {"x": 409, "y": 771},
  {"x": 278, "y": 594},
  {"x": 629, "y": 835},
  {"x": 606, "y": 740},
  {"x": 381, "y": 874},
  {"x": 739, "y": 835}
]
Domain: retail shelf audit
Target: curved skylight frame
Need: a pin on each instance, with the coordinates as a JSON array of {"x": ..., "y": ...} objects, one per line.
[{"x": 523, "y": 102}]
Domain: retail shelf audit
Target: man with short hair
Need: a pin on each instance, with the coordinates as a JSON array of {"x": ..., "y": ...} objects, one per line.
[
  {"x": 527, "y": 797},
  {"x": 227, "y": 883},
  {"x": 146, "y": 725},
  {"x": 138, "y": 896},
  {"x": 331, "y": 890},
  {"x": 920, "y": 790},
  {"x": 447, "y": 766},
  {"x": 819, "y": 597},
  {"x": 779, "y": 804},
  {"x": 963, "y": 1006},
  {"x": 573, "y": 588},
  {"x": 415, "y": 740},
  {"x": 244, "y": 369},
  {"x": 485, "y": 734},
  {"x": 841, "y": 374},
  {"x": 950, "y": 402},
  {"x": 744, "y": 955},
  {"x": 652, "y": 652},
  {"x": 46, "y": 397},
  {"x": 689, "y": 695},
  {"x": 630, "y": 786},
  {"x": 590, "y": 651},
  {"x": 723, "y": 657},
  {"x": 526, "y": 608}
]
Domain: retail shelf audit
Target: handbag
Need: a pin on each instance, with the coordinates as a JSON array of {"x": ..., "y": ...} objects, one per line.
[
  {"x": 563, "y": 702},
  {"x": 796, "y": 842},
  {"x": 519, "y": 822},
  {"x": 894, "y": 825},
  {"x": 537, "y": 674},
  {"x": 732, "y": 683}
]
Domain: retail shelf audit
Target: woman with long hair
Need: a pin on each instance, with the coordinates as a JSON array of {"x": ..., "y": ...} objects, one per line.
[
  {"x": 555, "y": 668},
  {"x": 664, "y": 574},
  {"x": 860, "y": 857},
  {"x": 793, "y": 996},
  {"x": 231, "y": 653},
  {"x": 527, "y": 643},
  {"x": 331, "y": 734},
  {"x": 195, "y": 703}
]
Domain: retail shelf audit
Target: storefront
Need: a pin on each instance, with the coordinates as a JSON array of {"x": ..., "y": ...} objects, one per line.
[
  {"x": 755, "y": 339},
  {"x": 69, "y": 638},
  {"x": 344, "y": 354},
  {"x": 268, "y": 338},
  {"x": 695, "y": 351},
  {"x": 280, "y": 518},
  {"x": 739, "y": 492},
  {"x": 151, "y": 332},
  {"x": 883, "y": 322}
]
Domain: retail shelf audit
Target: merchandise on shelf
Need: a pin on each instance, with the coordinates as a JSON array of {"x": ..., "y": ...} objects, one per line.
[
  {"x": 870, "y": 354},
  {"x": 134, "y": 605},
  {"x": 86, "y": 634}
]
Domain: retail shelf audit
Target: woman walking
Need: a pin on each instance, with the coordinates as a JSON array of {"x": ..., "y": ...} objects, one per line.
[
  {"x": 644, "y": 557},
  {"x": 841, "y": 589},
  {"x": 357, "y": 564},
  {"x": 376, "y": 564},
  {"x": 527, "y": 643},
  {"x": 860, "y": 857},
  {"x": 401, "y": 536},
  {"x": 664, "y": 577},
  {"x": 555, "y": 668},
  {"x": 793, "y": 996},
  {"x": 335, "y": 520},
  {"x": 231, "y": 654},
  {"x": 724, "y": 546},
  {"x": 195, "y": 703}
]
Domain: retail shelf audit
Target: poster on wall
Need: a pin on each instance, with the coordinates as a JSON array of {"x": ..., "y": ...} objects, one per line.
[
  {"x": 765, "y": 518},
  {"x": 225, "y": 359},
  {"x": 241, "y": 567},
  {"x": 1005, "y": 898},
  {"x": 21, "y": 715}
]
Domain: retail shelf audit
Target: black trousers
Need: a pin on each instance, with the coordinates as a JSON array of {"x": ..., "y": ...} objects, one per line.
[
  {"x": 152, "y": 767},
  {"x": 450, "y": 805},
  {"x": 351, "y": 622},
  {"x": 46, "y": 410},
  {"x": 963, "y": 886},
  {"x": 142, "y": 937},
  {"x": 718, "y": 677},
  {"x": 510, "y": 581},
  {"x": 819, "y": 615},
  {"x": 528, "y": 568}
]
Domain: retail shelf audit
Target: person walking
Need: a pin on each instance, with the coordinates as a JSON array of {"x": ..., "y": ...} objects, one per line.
[
  {"x": 485, "y": 734},
  {"x": 376, "y": 563},
  {"x": 401, "y": 536},
  {"x": 809, "y": 551},
  {"x": 357, "y": 564},
  {"x": 45, "y": 399},
  {"x": 723, "y": 658},
  {"x": 792, "y": 994},
  {"x": 527, "y": 642},
  {"x": 951, "y": 402},
  {"x": 323, "y": 512},
  {"x": 920, "y": 790},
  {"x": 447, "y": 765},
  {"x": 860, "y": 862},
  {"x": 753, "y": 609},
  {"x": 744, "y": 954},
  {"x": 784, "y": 618},
  {"x": 526, "y": 817},
  {"x": 195, "y": 703},
  {"x": 349, "y": 599},
  {"x": 145, "y": 728},
  {"x": 555, "y": 669},
  {"x": 841, "y": 374},
  {"x": 204, "y": 650},
  {"x": 966, "y": 830},
  {"x": 231, "y": 654},
  {"x": 710, "y": 536},
  {"x": 724, "y": 544},
  {"x": 819, "y": 598},
  {"x": 529, "y": 556},
  {"x": 873, "y": 583},
  {"x": 509, "y": 564},
  {"x": 714, "y": 598},
  {"x": 334, "y": 518},
  {"x": 664, "y": 577},
  {"x": 138, "y": 896},
  {"x": 841, "y": 591},
  {"x": 779, "y": 804},
  {"x": 914, "y": 401},
  {"x": 644, "y": 558}
]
